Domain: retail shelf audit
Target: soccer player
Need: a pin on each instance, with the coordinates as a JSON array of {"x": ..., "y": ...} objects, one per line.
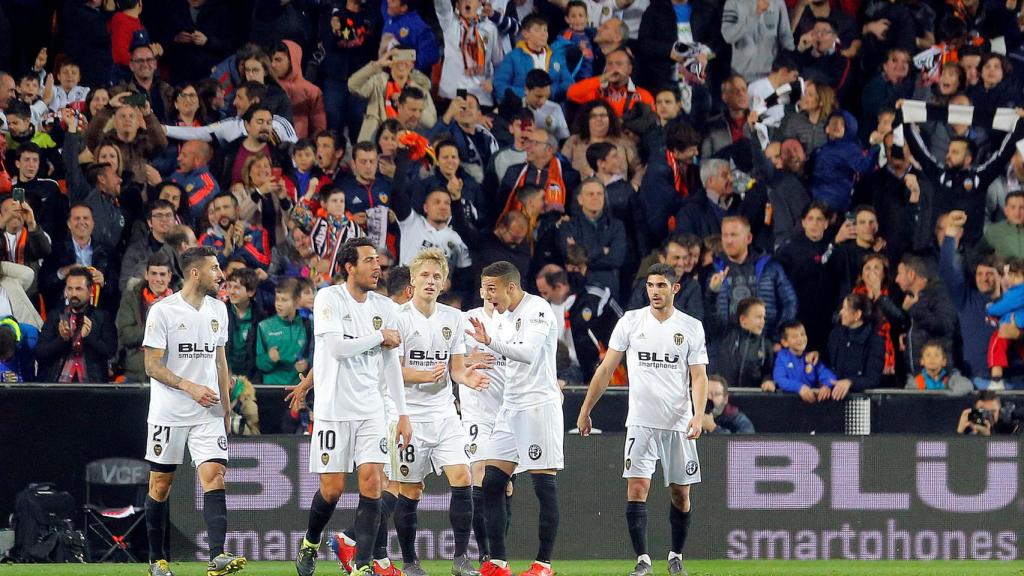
[
  {"x": 189, "y": 404},
  {"x": 479, "y": 410},
  {"x": 667, "y": 361},
  {"x": 433, "y": 352},
  {"x": 528, "y": 430},
  {"x": 355, "y": 341}
]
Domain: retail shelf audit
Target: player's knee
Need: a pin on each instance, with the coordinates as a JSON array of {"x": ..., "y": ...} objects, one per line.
[
  {"x": 331, "y": 488},
  {"x": 411, "y": 491},
  {"x": 459, "y": 476},
  {"x": 681, "y": 497},
  {"x": 637, "y": 492},
  {"x": 160, "y": 485},
  {"x": 370, "y": 485}
]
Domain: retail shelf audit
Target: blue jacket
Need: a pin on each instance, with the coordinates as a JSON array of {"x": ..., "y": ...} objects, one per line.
[
  {"x": 1010, "y": 304},
  {"x": 970, "y": 308},
  {"x": 359, "y": 197},
  {"x": 792, "y": 372},
  {"x": 200, "y": 188},
  {"x": 773, "y": 287},
  {"x": 838, "y": 164},
  {"x": 511, "y": 74},
  {"x": 412, "y": 32}
]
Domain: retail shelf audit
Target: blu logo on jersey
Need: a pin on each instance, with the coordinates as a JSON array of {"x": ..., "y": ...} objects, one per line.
[
  {"x": 439, "y": 355},
  {"x": 656, "y": 357}
]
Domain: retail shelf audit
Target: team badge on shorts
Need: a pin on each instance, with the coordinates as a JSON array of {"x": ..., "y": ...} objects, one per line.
[
  {"x": 325, "y": 458},
  {"x": 446, "y": 333},
  {"x": 628, "y": 463},
  {"x": 403, "y": 470},
  {"x": 377, "y": 322},
  {"x": 384, "y": 445},
  {"x": 215, "y": 326},
  {"x": 678, "y": 338},
  {"x": 534, "y": 452},
  {"x": 222, "y": 442},
  {"x": 157, "y": 449},
  {"x": 691, "y": 467}
]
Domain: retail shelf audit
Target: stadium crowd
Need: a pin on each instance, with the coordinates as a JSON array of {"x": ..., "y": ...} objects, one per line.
[{"x": 838, "y": 184}]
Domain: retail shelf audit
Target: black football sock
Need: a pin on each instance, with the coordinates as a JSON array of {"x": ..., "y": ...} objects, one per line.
[
  {"x": 387, "y": 506},
  {"x": 545, "y": 486},
  {"x": 405, "y": 526},
  {"x": 508, "y": 507},
  {"x": 494, "y": 502},
  {"x": 636, "y": 520},
  {"x": 460, "y": 514},
  {"x": 215, "y": 513},
  {"x": 680, "y": 526},
  {"x": 320, "y": 512},
  {"x": 367, "y": 522},
  {"x": 480, "y": 522},
  {"x": 167, "y": 533},
  {"x": 155, "y": 528}
]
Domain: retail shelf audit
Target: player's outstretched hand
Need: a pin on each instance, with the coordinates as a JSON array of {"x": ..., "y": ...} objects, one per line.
[
  {"x": 438, "y": 372},
  {"x": 391, "y": 338},
  {"x": 584, "y": 424},
  {"x": 296, "y": 397},
  {"x": 478, "y": 356},
  {"x": 201, "y": 394},
  {"x": 403, "y": 432},
  {"x": 479, "y": 333},
  {"x": 475, "y": 379},
  {"x": 694, "y": 429}
]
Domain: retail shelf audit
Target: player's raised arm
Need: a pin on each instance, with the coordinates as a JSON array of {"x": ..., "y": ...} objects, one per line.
[
  {"x": 699, "y": 383},
  {"x": 598, "y": 384}
]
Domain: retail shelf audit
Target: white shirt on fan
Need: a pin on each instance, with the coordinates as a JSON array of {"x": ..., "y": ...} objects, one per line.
[
  {"x": 190, "y": 339},
  {"x": 481, "y": 406},
  {"x": 658, "y": 357},
  {"x": 427, "y": 342}
]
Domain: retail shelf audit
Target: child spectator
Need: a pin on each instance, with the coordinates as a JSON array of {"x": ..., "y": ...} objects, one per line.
[
  {"x": 309, "y": 214},
  {"x": 745, "y": 354},
  {"x": 304, "y": 172},
  {"x": 282, "y": 341},
  {"x": 22, "y": 130},
  {"x": 839, "y": 162},
  {"x": 576, "y": 43},
  {"x": 307, "y": 292},
  {"x": 1009, "y": 304},
  {"x": 795, "y": 373},
  {"x": 935, "y": 375},
  {"x": 244, "y": 313},
  {"x": 30, "y": 92},
  {"x": 67, "y": 92},
  {"x": 532, "y": 49},
  {"x": 9, "y": 369}
]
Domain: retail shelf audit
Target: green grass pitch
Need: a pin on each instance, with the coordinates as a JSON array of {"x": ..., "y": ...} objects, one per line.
[{"x": 584, "y": 568}]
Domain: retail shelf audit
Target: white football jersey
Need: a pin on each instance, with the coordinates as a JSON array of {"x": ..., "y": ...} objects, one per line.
[
  {"x": 483, "y": 405},
  {"x": 427, "y": 342},
  {"x": 530, "y": 333},
  {"x": 659, "y": 356},
  {"x": 349, "y": 389},
  {"x": 598, "y": 11},
  {"x": 189, "y": 339}
]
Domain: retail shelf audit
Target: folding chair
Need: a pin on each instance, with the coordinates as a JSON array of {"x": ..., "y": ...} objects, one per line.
[{"x": 115, "y": 496}]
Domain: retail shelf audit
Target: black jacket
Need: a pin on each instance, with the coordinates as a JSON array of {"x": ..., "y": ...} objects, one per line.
[
  {"x": 815, "y": 286},
  {"x": 659, "y": 33},
  {"x": 700, "y": 218},
  {"x": 103, "y": 259},
  {"x": 189, "y": 62},
  {"x": 857, "y": 354},
  {"x": 606, "y": 233},
  {"x": 87, "y": 40},
  {"x": 593, "y": 315},
  {"x": 932, "y": 317},
  {"x": 745, "y": 359},
  {"x": 97, "y": 348}
]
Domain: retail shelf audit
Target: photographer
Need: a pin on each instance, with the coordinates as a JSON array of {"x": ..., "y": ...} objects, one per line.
[{"x": 988, "y": 417}]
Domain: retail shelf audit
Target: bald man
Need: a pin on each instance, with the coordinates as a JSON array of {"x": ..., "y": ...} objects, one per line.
[{"x": 194, "y": 176}]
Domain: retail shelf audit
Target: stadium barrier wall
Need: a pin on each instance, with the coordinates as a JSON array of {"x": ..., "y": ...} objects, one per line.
[{"x": 782, "y": 497}]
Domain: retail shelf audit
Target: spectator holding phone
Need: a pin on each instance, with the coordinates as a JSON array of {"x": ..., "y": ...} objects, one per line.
[{"x": 382, "y": 83}]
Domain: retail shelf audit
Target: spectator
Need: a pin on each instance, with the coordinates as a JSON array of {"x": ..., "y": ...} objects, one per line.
[
  {"x": 432, "y": 229},
  {"x": 283, "y": 341},
  {"x": 7, "y": 96},
  {"x": 735, "y": 123},
  {"x": 596, "y": 122},
  {"x": 803, "y": 257},
  {"x": 126, "y": 32},
  {"x": 576, "y": 43},
  {"x": 740, "y": 274},
  {"x": 232, "y": 237},
  {"x": 160, "y": 221},
  {"x": 724, "y": 418},
  {"x": 144, "y": 80},
  {"x": 667, "y": 183},
  {"x": 970, "y": 300},
  {"x": 935, "y": 373},
  {"x": 615, "y": 85},
  {"x": 894, "y": 192},
  {"x": 995, "y": 89},
  {"x": 85, "y": 34},
  {"x": 745, "y": 354},
  {"x": 892, "y": 83},
  {"x": 81, "y": 248},
  {"x": 543, "y": 168},
  {"x": 42, "y": 194},
  {"x": 510, "y": 242},
  {"x": 987, "y": 417},
  {"x": 194, "y": 176},
  {"x": 308, "y": 113},
  {"x": 703, "y": 211},
  {"x": 590, "y": 314},
  {"x": 472, "y": 51},
  {"x": 926, "y": 309},
  {"x": 25, "y": 242},
  {"x": 136, "y": 133},
  {"x": 339, "y": 227},
  {"x": 1012, "y": 180},
  {"x": 384, "y": 83},
  {"x": 68, "y": 92},
  {"x": 364, "y": 188},
  {"x": 247, "y": 95},
  {"x": 230, "y": 159},
  {"x": 264, "y": 197},
  {"x": 188, "y": 110},
  {"x": 519, "y": 127},
  {"x": 666, "y": 22},
  {"x": 1006, "y": 238},
  {"x": 330, "y": 151},
  {"x": 840, "y": 162},
  {"x": 537, "y": 100},
  {"x": 244, "y": 315},
  {"x": 806, "y": 120},
  {"x": 603, "y": 236},
  {"x": 786, "y": 191},
  {"x": 856, "y": 239},
  {"x": 77, "y": 340},
  {"x": 131, "y": 314},
  {"x": 764, "y": 98},
  {"x": 348, "y": 33},
  {"x": 1006, "y": 307},
  {"x": 822, "y": 56},
  {"x": 256, "y": 68},
  {"x": 855, "y": 350},
  {"x": 532, "y": 49},
  {"x": 22, "y": 131},
  {"x": 404, "y": 28},
  {"x": 757, "y": 31},
  {"x": 467, "y": 196},
  {"x": 795, "y": 373},
  {"x": 202, "y": 38},
  {"x": 15, "y": 282},
  {"x": 103, "y": 199},
  {"x": 682, "y": 253},
  {"x": 462, "y": 123}
]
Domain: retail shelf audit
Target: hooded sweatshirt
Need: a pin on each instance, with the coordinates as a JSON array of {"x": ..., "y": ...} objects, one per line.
[{"x": 308, "y": 113}]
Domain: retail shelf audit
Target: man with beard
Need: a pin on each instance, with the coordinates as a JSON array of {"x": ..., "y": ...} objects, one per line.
[
  {"x": 230, "y": 236},
  {"x": 76, "y": 341},
  {"x": 614, "y": 85},
  {"x": 786, "y": 191},
  {"x": 228, "y": 163},
  {"x": 189, "y": 404}
]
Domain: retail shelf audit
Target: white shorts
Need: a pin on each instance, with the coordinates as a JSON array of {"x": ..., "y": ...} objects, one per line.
[
  {"x": 479, "y": 435},
  {"x": 434, "y": 445},
  {"x": 206, "y": 441},
  {"x": 344, "y": 446},
  {"x": 532, "y": 438},
  {"x": 678, "y": 455}
]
